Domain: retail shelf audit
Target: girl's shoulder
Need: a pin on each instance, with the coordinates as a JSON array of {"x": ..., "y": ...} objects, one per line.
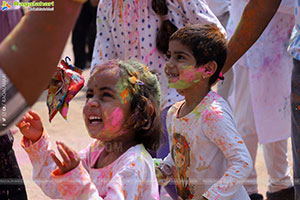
[{"x": 135, "y": 157}]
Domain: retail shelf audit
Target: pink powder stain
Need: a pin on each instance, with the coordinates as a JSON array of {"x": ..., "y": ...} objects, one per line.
[
  {"x": 190, "y": 73},
  {"x": 115, "y": 120},
  {"x": 118, "y": 116}
]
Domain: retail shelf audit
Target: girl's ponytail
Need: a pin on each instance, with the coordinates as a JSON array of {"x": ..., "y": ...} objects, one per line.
[{"x": 166, "y": 29}]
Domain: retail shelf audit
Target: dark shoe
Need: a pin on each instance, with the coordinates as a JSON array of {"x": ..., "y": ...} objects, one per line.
[
  {"x": 285, "y": 194},
  {"x": 256, "y": 196}
]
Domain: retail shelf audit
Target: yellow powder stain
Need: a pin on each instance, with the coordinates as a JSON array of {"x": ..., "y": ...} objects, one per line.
[
  {"x": 240, "y": 142},
  {"x": 237, "y": 171},
  {"x": 101, "y": 54},
  {"x": 133, "y": 164}
]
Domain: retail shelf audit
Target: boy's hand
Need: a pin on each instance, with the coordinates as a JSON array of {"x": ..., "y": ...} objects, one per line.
[
  {"x": 31, "y": 126},
  {"x": 70, "y": 158}
]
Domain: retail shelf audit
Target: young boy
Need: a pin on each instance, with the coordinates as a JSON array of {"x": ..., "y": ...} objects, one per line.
[{"x": 208, "y": 158}]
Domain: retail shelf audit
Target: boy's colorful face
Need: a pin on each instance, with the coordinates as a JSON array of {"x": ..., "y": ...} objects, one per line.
[
  {"x": 181, "y": 70},
  {"x": 107, "y": 106}
]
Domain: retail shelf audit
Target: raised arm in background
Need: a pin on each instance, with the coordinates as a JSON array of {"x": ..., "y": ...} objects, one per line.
[{"x": 256, "y": 16}]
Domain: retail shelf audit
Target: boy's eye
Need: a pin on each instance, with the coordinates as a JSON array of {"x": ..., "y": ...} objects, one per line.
[{"x": 180, "y": 57}]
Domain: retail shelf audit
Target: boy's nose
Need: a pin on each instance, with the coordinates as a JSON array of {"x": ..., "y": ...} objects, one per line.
[{"x": 169, "y": 66}]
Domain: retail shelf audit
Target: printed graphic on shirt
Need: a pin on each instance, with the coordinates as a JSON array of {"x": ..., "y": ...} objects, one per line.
[{"x": 181, "y": 156}]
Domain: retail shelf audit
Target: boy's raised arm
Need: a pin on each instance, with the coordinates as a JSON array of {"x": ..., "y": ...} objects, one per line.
[
  {"x": 256, "y": 16},
  {"x": 30, "y": 53}
]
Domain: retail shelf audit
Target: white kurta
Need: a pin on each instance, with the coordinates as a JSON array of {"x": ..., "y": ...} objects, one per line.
[
  {"x": 209, "y": 157},
  {"x": 269, "y": 68}
]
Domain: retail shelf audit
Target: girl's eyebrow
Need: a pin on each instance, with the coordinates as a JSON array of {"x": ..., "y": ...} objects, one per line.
[{"x": 107, "y": 88}]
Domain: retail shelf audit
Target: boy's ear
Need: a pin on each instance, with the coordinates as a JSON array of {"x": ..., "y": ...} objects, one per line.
[{"x": 210, "y": 69}]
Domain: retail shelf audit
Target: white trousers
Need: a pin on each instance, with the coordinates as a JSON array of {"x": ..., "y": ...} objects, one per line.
[{"x": 275, "y": 153}]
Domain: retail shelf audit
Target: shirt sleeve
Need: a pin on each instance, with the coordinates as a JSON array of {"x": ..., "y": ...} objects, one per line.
[
  {"x": 43, "y": 165},
  {"x": 191, "y": 12},
  {"x": 13, "y": 104},
  {"x": 220, "y": 129},
  {"x": 104, "y": 48}
]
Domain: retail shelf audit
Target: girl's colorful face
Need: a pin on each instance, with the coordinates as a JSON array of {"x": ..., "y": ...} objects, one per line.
[
  {"x": 181, "y": 70},
  {"x": 107, "y": 106}
]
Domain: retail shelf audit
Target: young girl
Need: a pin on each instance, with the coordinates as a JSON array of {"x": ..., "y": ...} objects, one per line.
[
  {"x": 141, "y": 29},
  {"x": 208, "y": 158},
  {"x": 121, "y": 113}
]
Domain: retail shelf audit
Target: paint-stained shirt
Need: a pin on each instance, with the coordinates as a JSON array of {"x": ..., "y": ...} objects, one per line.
[
  {"x": 294, "y": 48},
  {"x": 127, "y": 29},
  {"x": 131, "y": 176},
  {"x": 208, "y": 156},
  {"x": 269, "y": 69}
]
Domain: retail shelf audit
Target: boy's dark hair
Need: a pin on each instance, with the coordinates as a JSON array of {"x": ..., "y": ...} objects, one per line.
[
  {"x": 207, "y": 44},
  {"x": 166, "y": 28},
  {"x": 144, "y": 88}
]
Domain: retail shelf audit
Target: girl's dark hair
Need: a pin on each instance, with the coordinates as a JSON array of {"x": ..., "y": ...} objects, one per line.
[
  {"x": 166, "y": 28},
  {"x": 144, "y": 88},
  {"x": 207, "y": 43}
]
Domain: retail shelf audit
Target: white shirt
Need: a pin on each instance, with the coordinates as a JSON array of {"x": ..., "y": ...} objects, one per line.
[
  {"x": 209, "y": 155},
  {"x": 270, "y": 67}
]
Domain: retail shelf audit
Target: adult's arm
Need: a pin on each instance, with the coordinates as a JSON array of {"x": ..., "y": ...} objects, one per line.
[
  {"x": 30, "y": 53},
  {"x": 256, "y": 16}
]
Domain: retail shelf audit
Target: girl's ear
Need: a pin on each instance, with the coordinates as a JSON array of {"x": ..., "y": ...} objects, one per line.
[{"x": 210, "y": 69}]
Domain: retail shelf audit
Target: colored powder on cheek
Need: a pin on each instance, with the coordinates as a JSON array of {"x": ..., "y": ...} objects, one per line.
[
  {"x": 190, "y": 74},
  {"x": 117, "y": 117}
]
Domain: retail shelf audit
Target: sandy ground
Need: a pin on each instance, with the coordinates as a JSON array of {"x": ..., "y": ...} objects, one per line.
[{"x": 74, "y": 134}]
